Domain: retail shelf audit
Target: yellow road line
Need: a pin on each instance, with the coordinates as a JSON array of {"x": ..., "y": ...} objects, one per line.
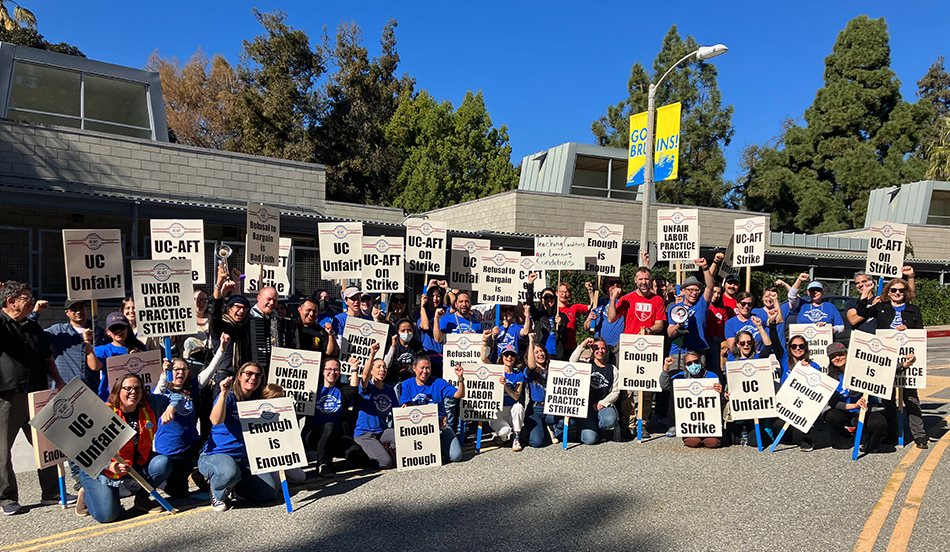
[
  {"x": 875, "y": 522},
  {"x": 74, "y": 535},
  {"x": 905, "y": 523}
]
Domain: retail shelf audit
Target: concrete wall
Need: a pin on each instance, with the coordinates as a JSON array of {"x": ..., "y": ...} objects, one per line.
[
  {"x": 374, "y": 213},
  {"x": 58, "y": 158}
]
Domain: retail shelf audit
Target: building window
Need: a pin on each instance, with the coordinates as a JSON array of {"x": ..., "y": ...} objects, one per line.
[
  {"x": 51, "y": 95},
  {"x": 600, "y": 177},
  {"x": 939, "y": 208}
]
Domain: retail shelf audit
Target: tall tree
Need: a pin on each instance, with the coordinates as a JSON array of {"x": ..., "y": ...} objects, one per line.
[
  {"x": 362, "y": 97},
  {"x": 200, "y": 104},
  {"x": 857, "y": 138},
  {"x": 705, "y": 129},
  {"x": 937, "y": 151},
  {"x": 20, "y": 29},
  {"x": 21, "y": 16},
  {"x": 450, "y": 155},
  {"x": 278, "y": 112},
  {"x": 933, "y": 89}
]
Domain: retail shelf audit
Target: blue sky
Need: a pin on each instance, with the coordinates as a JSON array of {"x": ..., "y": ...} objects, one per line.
[{"x": 547, "y": 69}]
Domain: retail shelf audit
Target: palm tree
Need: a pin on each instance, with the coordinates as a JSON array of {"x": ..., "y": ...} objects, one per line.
[
  {"x": 938, "y": 152},
  {"x": 21, "y": 15}
]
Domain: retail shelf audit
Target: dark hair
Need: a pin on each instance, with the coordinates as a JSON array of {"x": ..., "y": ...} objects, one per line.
[
  {"x": 807, "y": 356},
  {"x": 735, "y": 342},
  {"x": 419, "y": 358},
  {"x": 113, "y": 399},
  {"x": 644, "y": 270},
  {"x": 743, "y": 295},
  {"x": 236, "y": 386},
  {"x": 186, "y": 386},
  {"x": 908, "y": 294},
  {"x": 12, "y": 289}
]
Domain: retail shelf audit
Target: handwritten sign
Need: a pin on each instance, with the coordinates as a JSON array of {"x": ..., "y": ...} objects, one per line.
[{"x": 560, "y": 252}]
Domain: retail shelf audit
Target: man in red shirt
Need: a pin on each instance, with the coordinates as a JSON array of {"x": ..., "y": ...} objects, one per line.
[
  {"x": 644, "y": 313},
  {"x": 730, "y": 287},
  {"x": 572, "y": 312}
]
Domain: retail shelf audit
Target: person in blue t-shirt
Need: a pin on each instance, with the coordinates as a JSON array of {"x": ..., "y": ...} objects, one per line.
[
  {"x": 695, "y": 368},
  {"x": 424, "y": 389},
  {"x": 507, "y": 425},
  {"x": 432, "y": 301},
  {"x": 373, "y": 433},
  {"x": 224, "y": 461},
  {"x": 123, "y": 343},
  {"x": 538, "y": 425},
  {"x": 461, "y": 320},
  {"x": 816, "y": 310},
  {"x": 352, "y": 297},
  {"x": 177, "y": 437},
  {"x": 509, "y": 332},
  {"x": 329, "y": 431},
  {"x": 690, "y": 335}
]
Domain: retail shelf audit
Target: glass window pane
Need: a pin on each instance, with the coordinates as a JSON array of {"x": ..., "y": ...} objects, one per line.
[
  {"x": 42, "y": 118},
  {"x": 116, "y": 129},
  {"x": 117, "y": 101},
  {"x": 45, "y": 89}
]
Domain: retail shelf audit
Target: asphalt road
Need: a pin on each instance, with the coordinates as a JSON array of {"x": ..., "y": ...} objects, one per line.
[{"x": 655, "y": 495}]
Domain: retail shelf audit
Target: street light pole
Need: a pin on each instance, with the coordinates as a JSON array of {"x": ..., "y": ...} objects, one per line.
[{"x": 701, "y": 54}]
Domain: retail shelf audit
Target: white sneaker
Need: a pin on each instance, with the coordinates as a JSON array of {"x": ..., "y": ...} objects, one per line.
[{"x": 516, "y": 445}]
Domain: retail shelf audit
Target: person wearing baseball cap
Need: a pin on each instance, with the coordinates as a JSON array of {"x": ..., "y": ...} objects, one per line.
[
  {"x": 816, "y": 311},
  {"x": 846, "y": 405},
  {"x": 69, "y": 350},
  {"x": 507, "y": 425},
  {"x": 730, "y": 287},
  {"x": 122, "y": 343},
  {"x": 351, "y": 297}
]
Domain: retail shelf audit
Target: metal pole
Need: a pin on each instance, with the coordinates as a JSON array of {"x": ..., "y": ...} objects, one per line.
[{"x": 647, "y": 172}]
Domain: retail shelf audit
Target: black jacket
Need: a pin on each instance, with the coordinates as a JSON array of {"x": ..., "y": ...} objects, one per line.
[{"x": 883, "y": 314}]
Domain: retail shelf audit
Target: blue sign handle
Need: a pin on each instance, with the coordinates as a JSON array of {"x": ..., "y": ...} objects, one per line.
[
  {"x": 900, "y": 416},
  {"x": 639, "y": 429},
  {"x": 564, "y": 440},
  {"x": 283, "y": 486},
  {"x": 478, "y": 439},
  {"x": 62, "y": 484},
  {"x": 778, "y": 438},
  {"x": 758, "y": 434},
  {"x": 168, "y": 355}
]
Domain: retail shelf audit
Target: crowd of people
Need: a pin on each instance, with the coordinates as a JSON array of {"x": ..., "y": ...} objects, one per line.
[{"x": 187, "y": 430}]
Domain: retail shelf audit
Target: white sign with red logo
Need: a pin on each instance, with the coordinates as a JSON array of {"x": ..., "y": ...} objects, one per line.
[
  {"x": 180, "y": 239},
  {"x": 460, "y": 349},
  {"x": 417, "y": 437},
  {"x": 886, "y": 249},
  {"x": 340, "y": 247},
  {"x": 277, "y": 277},
  {"x": 802, "y": 397},
  {"x": 298, "y": 373},
  {"x": 749, "y": 242},
  {"x": 698, "y": 410},
  {"x": 567, "y": 389},
  {"x": 263, "y": 234},
  {"x": 463, "y": 266},
  {"x": 604, "y": 243},
  {"x": 677, "y": 234},
  {"x": 498, "y": 275},
  {"x": 909, "y": 342},
  {"x": 83, "y": 427},
  {"x": 484, "y": 392},
  {"x": 818, "y": 339},
  {"x": 383, "y": 267},
  {"x": 147, "y": 365},
  {"x": 271, "y": 435},
  {"x": 640, "y": 363},
  {"x": 425, "y": 246},
  {"x": 164, "y": 298},
  {"x": 560, "y": 252},
  {"x": 358, "y": 336},
  {"x": 526, "y": 266},
  {"x": 45, "y": 454},
  {"x": 751, "y": 389},
  {"x": 872, "y": 364},
  {"x": 94, "y": 264}
]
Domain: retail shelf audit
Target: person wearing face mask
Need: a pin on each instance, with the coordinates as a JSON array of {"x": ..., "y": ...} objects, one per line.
[
  {"x": 694, "y": 369},
  {"x": 312, "y": 335},
  {"x": 403, "y": 349},
  {"x": 603, "y": 393},
  {"x": 327, "y": 309}
]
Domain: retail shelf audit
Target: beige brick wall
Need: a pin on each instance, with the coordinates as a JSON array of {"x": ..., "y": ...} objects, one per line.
[
  {"x": 928, "y": 241},
  {"x": 62, "y": 158}
]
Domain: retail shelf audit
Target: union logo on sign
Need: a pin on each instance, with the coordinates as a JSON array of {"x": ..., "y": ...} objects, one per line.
[
  {"x": 62, "y": 408},
  {"x": 382, "y": 246},
  {"x": 676, "y": 217},
  {"x": 176, "y": 230},
  {"x": 748, "y": 369},
  {"x": 887, "y": 230},
  {"x": 339, "y": 232},
  {"x": 499, "y": 259},
  {"x": 875, "y": 345},
  {"x": 749, "y": 225},
  {"x": 162, "y": 272},
  {"x": 900, "y": 338},
  {"x": 366, "y": 330},
  {"x": 464, "y": 343},
  {"x": 527, "y": 263},
  {"x": 416, "y": 416},
  {"x": 695, "y": 388},
  {"x": 603, "y": 232},
  {"x": 262, "y": 214},
  {"x": 294, "y": 360},
  {"x": 134, "y": 365},
  {"x": 810, "y": 332},
  {"x": 426, "y": 228},
  {"x": 93, "y": 241},
  {"x": 569, "y": 371},
  {"x": 641, "y": 344},
  {"x": 813, "y": 380},
  {"x": 470, "y": 247},
  {"x": 482, "y": 372},
  {"x": 268, "y": 411}
]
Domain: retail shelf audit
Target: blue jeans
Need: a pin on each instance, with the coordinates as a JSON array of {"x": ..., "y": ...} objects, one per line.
[
  {"x": 223, "y": 471},
  {"x": 534, "y": 423},
  {"x": 102, "y": 493},
  {"x": 451, "y": 448},
  {"x": 605, "y": 418},
  {"x": 454, "y": 421}
]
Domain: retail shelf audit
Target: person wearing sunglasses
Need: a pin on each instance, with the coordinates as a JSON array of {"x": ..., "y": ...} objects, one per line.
[
  {"x": 140, "y": 409},
  {"x": 867, "y": 291},
  {"x": 745, "y": 349},
  {"x": 745, "y": 320},
  {"x": 816, "y": 310},
  {"x": 224, "y": 461},
  {"x": 895, "y": 312},
  {"x": 798, "y": 355},
  {"x": 122, "y": 343},
  {"x": 510, "y": 419},
  {"x": 398, "y": 306},
  {"x": 548, "y": 323}
]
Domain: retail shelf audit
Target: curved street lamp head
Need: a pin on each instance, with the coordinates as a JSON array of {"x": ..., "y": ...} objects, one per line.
[{"x": 706, "y": 52}]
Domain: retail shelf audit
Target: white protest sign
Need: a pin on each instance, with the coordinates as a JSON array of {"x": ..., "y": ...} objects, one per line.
[
  {"x": 460, "y": 349},
  {"x": 83, "y": 427},
  {"x": 95, "y": 267},
  {"x": 358, "y": 336},
  {"x": 340, "y": 246},
  {"x": 751, "y": 389},
  {"x": 417, "y": 437},
  {"x": 872, "y": 364},
  {"x": 271, "y": 435},
  {"x": 560, "y": 252},
  {"x": 498, "y": 275},
  {"x": 698, "y": 409},
  {"x": 803, "y": 395},
  {"x": 164, "y": 298},
  {"x": 146, "y": 365},
  {"x": 604, "y": 243},
  {"x": 685, "y": 266},
  {"x": 568, "y": 388},
  {"x": 909, "y": 342},
  {"x": 277, "y": 277},
  {"x": 45, "y": 454},
  {"x": 463, "y": 265},
  {"x": 298, "y": 372},
  {"x": 818, "y": 339},
  {"x": 484, "y": 392},
  {"x": 886, "y": 249},
  {"x": 640, "y": 362},
  {"x": 181, "y": 239},
  {"x": 749, "y": 242},
  {"x": 263, "y": 234},
  {"x": 677, "y": 234},
  {"x": 383, "y": 267},
  {"x": 527, "y": 265},
  {"x": 425, "y": 246}
]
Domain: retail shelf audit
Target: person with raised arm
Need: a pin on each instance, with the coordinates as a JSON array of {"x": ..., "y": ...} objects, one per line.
[
  {"x": 573, "y": 311},
  {"x": 122, "y": 343},
  {"x": 816, "y": 310},
  {"x": 425, "y": 389},
  {"x": 540, "y": 427},
  {"x": 329, "y": 432},
  {"x": 603, "y": 393},
  {"x": 690, "y": 334},
  {"x": 507, "y": 425},
  {"x": 432, "y": 301},
  {"x": 375, "y": 406}
]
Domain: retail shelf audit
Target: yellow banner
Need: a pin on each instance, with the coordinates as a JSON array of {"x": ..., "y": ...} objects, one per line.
[{"x": 666, "y": 152}]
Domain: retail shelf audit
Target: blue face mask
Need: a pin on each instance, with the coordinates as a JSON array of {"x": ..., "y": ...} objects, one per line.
[{"x": 694, "y": 369}]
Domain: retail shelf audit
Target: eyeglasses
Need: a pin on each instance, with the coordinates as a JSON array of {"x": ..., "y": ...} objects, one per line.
[
  {"x": 201, "y": 300},
  {"x": 796, "y": 346},
  {"x": 896, "y": 290},
  {"x": 746, "y": 342},
  {"x": 179, "y": 369},
  {"x": 331, "y": 370},
  {"x": 239, "y": 307},
  {"x": 398, "y": 300},
  {"x": 132, "y": 389},
  {"x": 250, "y": 375},
  {"x": 745, "y": 304},
  {"x": 26, "y": 298}
]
